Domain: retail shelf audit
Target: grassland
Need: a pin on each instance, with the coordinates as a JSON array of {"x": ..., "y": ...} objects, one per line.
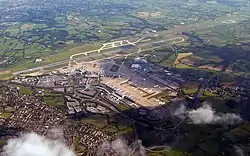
[
  {"x": 94, "y": 121},
  {"x": 209, "y": 94},
  {"x": 112, "y": 124},
  {"x": 167, "y": 153},
  {"x": 190, "y": 91},
  {"x": 23, "y": 89},
  {"x": 5, "y": 115},
  {"x": 2, "y": 143},
  {"x": 183, "y": 66},
  {"x": 162, "y": 95},
  {"x": 54, "y": 100},
  {"x": 123, "y": 107},
  {"x": 181, "y": 56},
  {"x": 6, "y": 75}
]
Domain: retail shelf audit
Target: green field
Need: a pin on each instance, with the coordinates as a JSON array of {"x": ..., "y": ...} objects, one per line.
[
  {"x": 54, "y": 100},
  {"x": 24, "y": 90},
  {"x": 167, "y": 153},
  {"x": 5, "y": 115}
]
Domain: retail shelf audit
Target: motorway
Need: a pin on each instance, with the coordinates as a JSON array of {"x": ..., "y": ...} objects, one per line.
[{"x": 111, "y": 50}]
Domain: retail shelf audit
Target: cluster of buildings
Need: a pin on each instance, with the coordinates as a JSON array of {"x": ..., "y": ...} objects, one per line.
[
  {"x": 137, "y": 80},
  {"x": 27, "y": 113},
  {"x": 82, "y": 90},
  {"x": 87, "y": 137},
  {"x": 31, "y": 114},
  {"x": 73, "y": 106},
  {"x": 160, "y": 75}
]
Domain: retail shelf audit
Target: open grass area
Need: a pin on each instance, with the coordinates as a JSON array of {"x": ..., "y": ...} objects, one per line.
[
  {"x": 163, "y": 94},
  {"x": 119, "y": 129},
  {"x": 181, "y": 56},
  {"x": 111, "y": 129},
  {"x": 6, "y": 75},
  {"x": 94, "y": 120},
  {"x": 182, "y": 66},
  {"x": 167, "y": 153},
  {"x": 2, "y": 142},
  {"x": 190, "y": 90},
  {"x": 227, "y": 77},
  {"x": 209, "y": 94},
  {"x": 54, "y": 100},
  {"x": 55, "y": 67},
  {"x": 5, "y": 115},
  {"x": 175, "y": 153},
  {"x": 24, "y": 90},
  {"x": 125, "y": 129},
  {"x": 123, "y": 107},
  {"x": 169, "y": 62},
  {"x": 116, "y": 124},
  {"x": 65, "y": 55},
  {"x": 62, "y": 55}
]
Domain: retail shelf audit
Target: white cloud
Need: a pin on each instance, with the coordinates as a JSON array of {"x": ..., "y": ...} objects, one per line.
[
  {"x": 239, "y": 151},
  {"x": 180, "y": 111},
  {"x": 206, "y": 115},
  {"x": 120, "y": 147},
  {"x": 33, "y": 144}
]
